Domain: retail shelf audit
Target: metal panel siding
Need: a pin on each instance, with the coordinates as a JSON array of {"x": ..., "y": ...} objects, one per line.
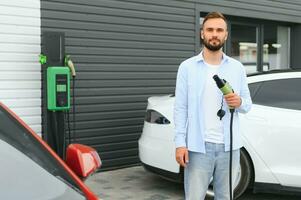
[
  {"x": 20, "y": 72},
  {"x": 124, "y": 52}
]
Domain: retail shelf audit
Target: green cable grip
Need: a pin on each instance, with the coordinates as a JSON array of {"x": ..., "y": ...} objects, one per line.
[{"x": 224, "y": 86}]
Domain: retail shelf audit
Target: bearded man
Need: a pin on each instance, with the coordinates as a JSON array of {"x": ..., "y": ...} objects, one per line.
[{"x": 202, "y": 116}]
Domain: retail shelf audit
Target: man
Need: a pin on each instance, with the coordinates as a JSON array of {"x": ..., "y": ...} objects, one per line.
[{"x": 202, "y": 137}]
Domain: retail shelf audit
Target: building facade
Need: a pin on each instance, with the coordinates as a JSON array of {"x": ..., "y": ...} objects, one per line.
[
  {"x": 127, "y": 50},
  {"x": 20, "y": 71}
]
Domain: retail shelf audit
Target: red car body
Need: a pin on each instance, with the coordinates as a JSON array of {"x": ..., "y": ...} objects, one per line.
[{"x": 82, "y": 159}]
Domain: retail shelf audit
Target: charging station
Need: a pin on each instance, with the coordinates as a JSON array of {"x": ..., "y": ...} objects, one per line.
[
  {"x": 55, "y": 91},
  {"x": 58, "y": 88}
]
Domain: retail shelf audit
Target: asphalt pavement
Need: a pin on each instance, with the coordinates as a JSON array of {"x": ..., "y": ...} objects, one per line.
[{"x": 135, "y": 183}]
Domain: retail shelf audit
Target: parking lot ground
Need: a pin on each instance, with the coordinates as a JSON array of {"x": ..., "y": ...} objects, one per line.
[{"x": 134, "y": 183}]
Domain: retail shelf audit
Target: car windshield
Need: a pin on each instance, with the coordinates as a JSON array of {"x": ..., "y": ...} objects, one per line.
[{"x": 28, "y": 170}]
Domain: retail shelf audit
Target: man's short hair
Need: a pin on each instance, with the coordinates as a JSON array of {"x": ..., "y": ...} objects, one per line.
[{"x": 214, "y": 15}]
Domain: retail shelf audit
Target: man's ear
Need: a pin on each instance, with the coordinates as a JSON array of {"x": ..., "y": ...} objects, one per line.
[
  {"x": 202, "y": 35},
  {"x": 226, "y": 36}
]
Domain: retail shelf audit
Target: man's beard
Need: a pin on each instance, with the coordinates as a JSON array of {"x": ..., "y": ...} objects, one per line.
[{"x": 211, "y": 47}]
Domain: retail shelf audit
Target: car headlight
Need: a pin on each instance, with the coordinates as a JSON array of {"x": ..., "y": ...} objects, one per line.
[{"x": 155, "y": 117}]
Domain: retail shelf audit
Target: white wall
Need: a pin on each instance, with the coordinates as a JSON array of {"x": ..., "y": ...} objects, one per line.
[{"x": 20, "y": 71}]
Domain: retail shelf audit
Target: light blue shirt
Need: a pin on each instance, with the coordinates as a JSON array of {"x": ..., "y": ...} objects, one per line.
[{"x": 188, "y": 115}]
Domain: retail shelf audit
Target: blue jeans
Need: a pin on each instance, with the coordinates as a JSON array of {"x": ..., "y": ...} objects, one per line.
[{"x": 201, "y": 167}]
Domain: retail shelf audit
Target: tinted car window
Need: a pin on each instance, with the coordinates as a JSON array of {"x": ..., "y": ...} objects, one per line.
[
  {"x": 22, "y": 178},
  {"x": 253, "y": 87},
  {"x": 20, "y": 149},
  {"x": 283, "y": 93}
]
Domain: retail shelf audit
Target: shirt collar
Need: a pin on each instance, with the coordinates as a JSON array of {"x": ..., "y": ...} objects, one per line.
[{"x": 201, "y": 58}]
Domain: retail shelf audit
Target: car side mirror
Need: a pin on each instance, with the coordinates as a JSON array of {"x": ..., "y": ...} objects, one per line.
[{"x": 82, "y": 159}]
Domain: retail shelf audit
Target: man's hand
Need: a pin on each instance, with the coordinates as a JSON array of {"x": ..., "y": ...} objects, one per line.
[
  {"x": 233, "y": 100},
  {"x": 182, "y": 156}
]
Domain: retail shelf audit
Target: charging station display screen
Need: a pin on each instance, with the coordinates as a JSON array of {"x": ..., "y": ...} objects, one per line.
[{"x": 61, "y": 88}]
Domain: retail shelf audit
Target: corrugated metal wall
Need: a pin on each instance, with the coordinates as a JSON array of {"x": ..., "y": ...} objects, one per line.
[
  {"x": 20, "y": 71},
  {"x": 127, "y": 50},
  {"x": 124, "y": 52}
]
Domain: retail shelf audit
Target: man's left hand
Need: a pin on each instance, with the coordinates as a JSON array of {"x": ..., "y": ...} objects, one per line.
[{"x": 233, "y": 100}]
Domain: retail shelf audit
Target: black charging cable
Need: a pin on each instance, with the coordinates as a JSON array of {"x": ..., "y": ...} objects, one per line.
[
  {"x": 231, "y": 149},
  {"x": 226, "y": 89},
  {"x": 69, "y": 128},
  {"x": 221, "y": 114},
  {"x": 73, "y": 116},
  {"x": 73, "y": 105},
  {"x": 69, "y": 63}
]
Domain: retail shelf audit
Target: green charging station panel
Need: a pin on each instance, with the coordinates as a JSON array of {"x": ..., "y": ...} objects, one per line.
[{"x": 58, "y": 88}]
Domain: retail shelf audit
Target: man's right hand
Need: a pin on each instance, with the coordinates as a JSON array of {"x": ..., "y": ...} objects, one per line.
[{"x": 182, "y": 156}]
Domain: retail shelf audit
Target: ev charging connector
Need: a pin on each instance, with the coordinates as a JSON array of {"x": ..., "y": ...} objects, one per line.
[
  {"x": 68, "y": 62},
  {"x": 226, "y": 88}
]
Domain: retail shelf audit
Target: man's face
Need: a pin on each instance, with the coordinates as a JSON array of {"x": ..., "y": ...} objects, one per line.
[{"x": 214, "y": 34}]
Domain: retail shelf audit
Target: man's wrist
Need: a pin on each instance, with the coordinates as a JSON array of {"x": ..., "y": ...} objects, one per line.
[{"x": 179, "y": 142}]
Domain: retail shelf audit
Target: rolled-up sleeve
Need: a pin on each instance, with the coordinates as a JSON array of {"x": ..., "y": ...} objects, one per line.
[{"x": 181, "y": 107}]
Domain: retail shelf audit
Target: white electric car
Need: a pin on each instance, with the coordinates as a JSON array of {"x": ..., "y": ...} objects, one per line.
[{"x": 271, "y": 136}]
